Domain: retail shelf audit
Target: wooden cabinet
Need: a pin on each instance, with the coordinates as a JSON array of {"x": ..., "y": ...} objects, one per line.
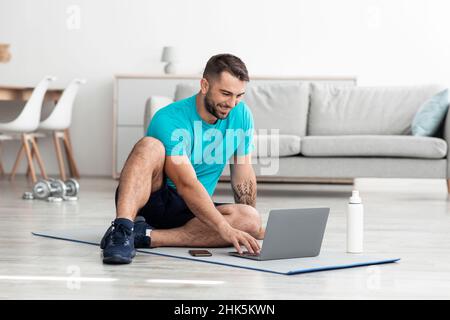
[{"x": 130, "y": 94}]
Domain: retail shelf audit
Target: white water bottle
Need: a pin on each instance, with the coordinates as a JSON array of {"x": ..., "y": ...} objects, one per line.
[{"x": 355, "y": 224}]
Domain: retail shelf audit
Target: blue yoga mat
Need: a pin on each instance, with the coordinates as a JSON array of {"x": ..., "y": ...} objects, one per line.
[{"x": 325, "y": 261}]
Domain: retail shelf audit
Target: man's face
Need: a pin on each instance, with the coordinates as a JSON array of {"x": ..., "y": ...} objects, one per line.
[{"x": 223, "y": 94}]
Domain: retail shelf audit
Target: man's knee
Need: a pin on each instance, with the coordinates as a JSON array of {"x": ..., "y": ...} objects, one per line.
[
  {"x": 150, "y": 143},
  {"x": 249, "y": 220},
  {"x": 151, "y": 149}
]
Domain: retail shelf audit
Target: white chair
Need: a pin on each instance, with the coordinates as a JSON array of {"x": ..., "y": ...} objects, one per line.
[
  {"x": 59, "y": 122},
  {"x": 26, "y": 123}
]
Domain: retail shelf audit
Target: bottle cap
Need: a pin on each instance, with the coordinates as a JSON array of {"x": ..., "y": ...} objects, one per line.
[{"x": 355, "y": 198}]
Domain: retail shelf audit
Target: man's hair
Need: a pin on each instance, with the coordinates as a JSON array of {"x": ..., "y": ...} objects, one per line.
[{"x": 225, "y": 62}]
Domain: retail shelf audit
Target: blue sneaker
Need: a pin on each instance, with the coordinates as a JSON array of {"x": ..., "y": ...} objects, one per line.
[
  {"x": 118, "y": 242},
  {"x": 142, "y": 233}
]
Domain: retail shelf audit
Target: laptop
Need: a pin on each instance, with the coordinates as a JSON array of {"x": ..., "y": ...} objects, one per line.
[{"x": 291, "y": 233}]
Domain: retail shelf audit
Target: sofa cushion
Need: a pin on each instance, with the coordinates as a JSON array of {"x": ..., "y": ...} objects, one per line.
[
  {"x": 282, "y": 145},
  {"x": 374, "y": 146},
  {"x": 184, "y": 90},
  {"x": 282, "y": 106},
  {"x": 428, "y": 119},
  {"x": 338, "y": 110}
]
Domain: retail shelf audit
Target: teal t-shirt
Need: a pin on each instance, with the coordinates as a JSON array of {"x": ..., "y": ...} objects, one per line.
[{"x": 208, "y": 146}]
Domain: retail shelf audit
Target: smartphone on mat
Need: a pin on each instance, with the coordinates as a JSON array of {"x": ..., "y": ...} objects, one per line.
[{"x": 200, "y": 253}]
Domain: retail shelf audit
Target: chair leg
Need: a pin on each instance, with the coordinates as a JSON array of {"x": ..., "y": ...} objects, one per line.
[
  {"x": 448, "y": 185},
  {"x": 67, "y": 144},
  {"x": 59, "y": 156},
  {"x": 38, "y": 158},
  {"x": 2, "y": 171},
  {"x": 32, "y": 156},
  {"x": 25, "y": 138},
  {"x": 16, "y": 163},
  {"x": 69, "y": 152}
]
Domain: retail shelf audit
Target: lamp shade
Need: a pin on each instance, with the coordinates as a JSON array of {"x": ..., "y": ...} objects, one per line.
[{"x": 169, "y": 54}]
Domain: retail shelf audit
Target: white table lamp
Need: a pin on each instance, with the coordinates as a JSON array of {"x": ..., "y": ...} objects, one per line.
[{"x": 170, "y": 56}]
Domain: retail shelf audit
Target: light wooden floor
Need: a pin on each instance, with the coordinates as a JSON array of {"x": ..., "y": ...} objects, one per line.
[{"x": 405, "y": 218}]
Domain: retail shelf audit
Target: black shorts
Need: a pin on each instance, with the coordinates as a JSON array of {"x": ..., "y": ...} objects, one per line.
[{"x": 165, "y": 209}]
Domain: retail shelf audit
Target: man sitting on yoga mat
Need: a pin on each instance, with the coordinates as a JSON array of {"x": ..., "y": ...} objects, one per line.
[{"x": 165, "y": 188}]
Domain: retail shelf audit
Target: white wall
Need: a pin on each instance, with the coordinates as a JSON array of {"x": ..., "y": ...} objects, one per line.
[{"x": 381, "y": 42}]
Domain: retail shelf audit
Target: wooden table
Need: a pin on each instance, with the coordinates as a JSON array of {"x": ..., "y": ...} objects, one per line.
[{"x": 17, "y": 93}]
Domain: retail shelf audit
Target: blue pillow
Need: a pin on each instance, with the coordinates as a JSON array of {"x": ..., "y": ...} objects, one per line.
[{"x": 428, "y": 119}]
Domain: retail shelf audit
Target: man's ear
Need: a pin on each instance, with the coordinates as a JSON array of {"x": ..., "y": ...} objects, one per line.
[{"x": 204, "y": 86}]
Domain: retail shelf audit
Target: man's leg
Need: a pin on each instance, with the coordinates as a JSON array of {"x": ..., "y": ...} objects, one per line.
[
  {"x": 197, "y": 234},
  {"x": 142, "y": 174}
]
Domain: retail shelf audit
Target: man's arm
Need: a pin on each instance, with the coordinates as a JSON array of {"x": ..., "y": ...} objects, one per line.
[
  {"x": 180, "y": 171},
  {"x": 243, "y": 180}
]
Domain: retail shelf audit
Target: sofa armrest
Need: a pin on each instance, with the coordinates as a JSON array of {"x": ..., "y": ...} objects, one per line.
[
  {"x": 447, "y": 139},
  {"x": 153, "y": 104}
]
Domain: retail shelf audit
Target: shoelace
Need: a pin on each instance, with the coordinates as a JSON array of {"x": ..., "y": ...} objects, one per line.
[{"x": 120, "y": 234}]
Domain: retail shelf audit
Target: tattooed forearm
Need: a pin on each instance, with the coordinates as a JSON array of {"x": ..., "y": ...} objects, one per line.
[{"x": 245, "y": 193}]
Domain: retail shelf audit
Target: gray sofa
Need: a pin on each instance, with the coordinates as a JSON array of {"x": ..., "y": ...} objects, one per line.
[{"x": 329, "y": 131}]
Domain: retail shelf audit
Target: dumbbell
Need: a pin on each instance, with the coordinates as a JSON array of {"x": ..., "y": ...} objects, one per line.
[
  {"x": 54, "y": 188},
  {"x": 71, "y": 187}
]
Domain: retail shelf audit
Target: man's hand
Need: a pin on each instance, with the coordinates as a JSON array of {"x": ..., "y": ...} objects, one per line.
[
  {"x": 238, "y": 237},
  {"x": 180, "y": 171}
]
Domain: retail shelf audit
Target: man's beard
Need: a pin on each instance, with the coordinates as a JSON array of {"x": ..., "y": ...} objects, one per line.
[{"x": 212, "y": 108}]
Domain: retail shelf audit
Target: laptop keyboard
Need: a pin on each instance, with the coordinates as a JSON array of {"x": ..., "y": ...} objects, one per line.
[{"x": 246, "y": 253}]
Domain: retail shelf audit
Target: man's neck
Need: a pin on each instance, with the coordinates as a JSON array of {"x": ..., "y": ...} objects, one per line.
[{"x": 201, "y": 110}]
